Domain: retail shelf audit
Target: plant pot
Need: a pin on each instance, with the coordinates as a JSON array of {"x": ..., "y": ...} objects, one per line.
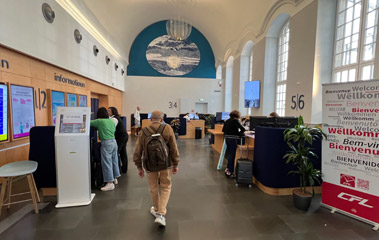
[{"x": 301, "y": 200}]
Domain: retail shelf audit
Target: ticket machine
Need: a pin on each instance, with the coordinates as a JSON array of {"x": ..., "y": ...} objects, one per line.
[{"x": 72, "y": 156}]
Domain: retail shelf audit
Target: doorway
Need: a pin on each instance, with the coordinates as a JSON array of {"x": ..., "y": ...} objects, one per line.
[{"x": 201, "y": 107}]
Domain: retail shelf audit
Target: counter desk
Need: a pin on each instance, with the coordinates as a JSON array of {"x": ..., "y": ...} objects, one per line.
[{"x": 190, "y": 127}]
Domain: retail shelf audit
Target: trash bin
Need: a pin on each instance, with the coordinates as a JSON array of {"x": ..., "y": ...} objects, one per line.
[{"x": 198, "y": 132}]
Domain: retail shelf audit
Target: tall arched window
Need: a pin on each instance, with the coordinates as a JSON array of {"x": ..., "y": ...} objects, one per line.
[
  {"x": 229, "y": 84},
  {"x": 281, "y": 78},
  {"x": 355, "y": 40},
  {"x": 251, "y": 66},
  {"x": 219, "y": 72}
]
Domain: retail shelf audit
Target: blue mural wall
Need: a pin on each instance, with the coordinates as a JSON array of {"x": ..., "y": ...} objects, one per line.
[{"x": 139, "y": 66}]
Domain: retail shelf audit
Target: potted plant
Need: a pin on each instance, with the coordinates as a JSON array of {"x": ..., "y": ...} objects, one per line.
[
  {"x": 175, "y": 124},
  {"x": 299, "y": 140},
  {"x": 208, "y": 122}
]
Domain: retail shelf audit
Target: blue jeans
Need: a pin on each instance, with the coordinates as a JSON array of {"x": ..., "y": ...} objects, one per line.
[
  {"x": 109, "y": 160},
  {"x": 231, "y": 147}
]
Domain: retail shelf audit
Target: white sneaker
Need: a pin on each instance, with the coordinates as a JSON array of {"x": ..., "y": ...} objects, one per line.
[
  {"x": 108, "y": 187},
  {"x": 153, "y": 212},
  {"x": 115, "y": 181},
  {"x": 160, "y": 220}
]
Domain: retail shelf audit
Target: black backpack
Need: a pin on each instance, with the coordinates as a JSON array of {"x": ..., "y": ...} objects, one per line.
[{"x": 156, "y": 149}]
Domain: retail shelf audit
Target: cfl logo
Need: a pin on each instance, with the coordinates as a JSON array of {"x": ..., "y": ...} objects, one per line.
[{"x": 352, "y": 198}]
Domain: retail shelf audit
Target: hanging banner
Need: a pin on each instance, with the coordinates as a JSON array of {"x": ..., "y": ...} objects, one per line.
[{"x": 350, "y": 155}]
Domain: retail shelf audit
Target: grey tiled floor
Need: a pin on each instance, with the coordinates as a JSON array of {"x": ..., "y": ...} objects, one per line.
[{"x": 203, "y": 205}]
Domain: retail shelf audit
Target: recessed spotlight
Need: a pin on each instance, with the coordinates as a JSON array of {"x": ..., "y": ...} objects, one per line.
[
  {"x": 48, "y": 13},
  {"x": 78, "y": 36},
  {"x": 122, "y": 72},
  {"x": 107, "y": 59},
  {"x": 115, "y": 66},
  {"x": 95, "y": 50}
]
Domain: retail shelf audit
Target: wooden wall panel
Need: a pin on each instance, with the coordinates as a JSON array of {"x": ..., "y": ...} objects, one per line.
[
  {"x": 28, "y": 71},
  {"x": 16, "y": 79}
]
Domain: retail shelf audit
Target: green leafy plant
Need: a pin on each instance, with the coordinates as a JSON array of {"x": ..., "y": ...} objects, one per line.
[
  {"x": 175, "y": 124},
  {"x": 299, "y": 140},
  {"x": 208, "y": 120}
]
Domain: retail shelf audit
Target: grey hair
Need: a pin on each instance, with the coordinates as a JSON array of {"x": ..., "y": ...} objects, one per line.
[{"x": 156, "y": 116}]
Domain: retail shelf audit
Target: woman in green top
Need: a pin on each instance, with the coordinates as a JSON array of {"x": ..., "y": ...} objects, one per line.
[{"x": 109, "y": 160}]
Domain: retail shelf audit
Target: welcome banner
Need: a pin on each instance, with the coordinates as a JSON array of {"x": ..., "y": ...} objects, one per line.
[{"x": 350, "y": 155}]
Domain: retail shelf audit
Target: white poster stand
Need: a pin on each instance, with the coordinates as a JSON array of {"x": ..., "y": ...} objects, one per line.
[
  {"x": 350, "y": 155},
  {"x": 72, "y": 156}
]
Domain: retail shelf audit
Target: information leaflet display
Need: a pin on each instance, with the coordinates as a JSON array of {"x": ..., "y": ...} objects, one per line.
[
  {"x": 71, "y": 100},
  {"x": 3, "y": 112},
  {"x": 350, "y": 155},
  {"x": 82, "y": 101},
  {"x": 57, "y": 100},
  {"x": 72, "y": 157},
  {"x": 22, "y": 110}
]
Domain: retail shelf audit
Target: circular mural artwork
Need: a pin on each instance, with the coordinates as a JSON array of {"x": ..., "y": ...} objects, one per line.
[{"x": 171, "y": 57}]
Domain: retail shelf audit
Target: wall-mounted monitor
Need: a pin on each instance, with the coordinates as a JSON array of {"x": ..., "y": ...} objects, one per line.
[
  {"x": 225, "y": 116},
  {"x": 252, "y": 97},
  {"x": 71, "y": 100},
  {"x": 82, "y": 100},
  {"x": 148, "y": 115},
  {"x": 22, "y": 103},
  {"x": 57, "y": 100},
  {"x": 222, "y": 116},
  {"x": 3, "y": 112}
]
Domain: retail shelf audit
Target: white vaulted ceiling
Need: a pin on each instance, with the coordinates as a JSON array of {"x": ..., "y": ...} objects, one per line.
[{"x": 225, "y": 23}]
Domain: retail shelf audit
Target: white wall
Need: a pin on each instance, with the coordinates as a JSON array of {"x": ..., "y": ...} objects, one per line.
[
  {"x": 156, "y": 93},
  {"x": 23, "y": 28},
  {"x": 301, "y": 61}
]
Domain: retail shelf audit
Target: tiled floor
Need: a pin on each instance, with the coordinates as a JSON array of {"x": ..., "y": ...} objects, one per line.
[{"x": 203, "y": 205}]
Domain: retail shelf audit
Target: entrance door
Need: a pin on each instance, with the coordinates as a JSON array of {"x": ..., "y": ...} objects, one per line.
[{"x": 201, "y": 107}]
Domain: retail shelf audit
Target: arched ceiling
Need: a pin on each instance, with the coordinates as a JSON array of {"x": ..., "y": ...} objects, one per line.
[{"x": 220, "y": 21}]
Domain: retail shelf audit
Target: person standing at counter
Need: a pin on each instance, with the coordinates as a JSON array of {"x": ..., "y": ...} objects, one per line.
[
  {"x": 109, "y": 160},
  {"x": 234, "y": 129},
  {"x": 137, "y": 120},
  {"x": 121, "y": 136},
  {"x": 187, "y": 117}
]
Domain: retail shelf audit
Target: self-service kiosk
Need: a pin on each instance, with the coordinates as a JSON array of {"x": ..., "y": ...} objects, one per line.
[{"x": 72, "y": 156}]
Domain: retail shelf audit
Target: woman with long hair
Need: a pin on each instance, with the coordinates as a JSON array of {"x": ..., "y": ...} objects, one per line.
[
  {"x": 109, "y": 160},
  {"x": 121, "y": 136}
]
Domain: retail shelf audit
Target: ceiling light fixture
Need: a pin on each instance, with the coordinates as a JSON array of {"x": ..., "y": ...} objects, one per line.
[
  {"x": 87, "y": 25},
  {"x": 178, "y": 29},
  {"x": 48, "y": 12}
]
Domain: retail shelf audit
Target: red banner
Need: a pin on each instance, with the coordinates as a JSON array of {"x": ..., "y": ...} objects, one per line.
[{"x": 355, "y": 202}]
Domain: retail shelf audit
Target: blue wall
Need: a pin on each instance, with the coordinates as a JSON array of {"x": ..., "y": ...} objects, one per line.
[{"x": 138, "y": 65}]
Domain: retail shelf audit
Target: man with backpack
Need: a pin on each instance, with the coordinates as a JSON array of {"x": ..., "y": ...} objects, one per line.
[{"x": 156, "y": 152}]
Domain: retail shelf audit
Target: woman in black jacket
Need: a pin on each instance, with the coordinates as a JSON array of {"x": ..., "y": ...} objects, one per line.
[
  {"x": 232, "y": 131},
  {"x": 121, "y": 136}
]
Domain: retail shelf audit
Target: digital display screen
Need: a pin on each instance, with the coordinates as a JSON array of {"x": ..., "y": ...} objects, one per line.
[
  {"x": 72, "y": 123},
  {"x": 71, "y": 100},
  {"x": 252, "y": 98},
  {"x": 57, "y": 100},
  {"x": 82, "y": 101},
  {"x": 3, "y": 112},
  {"x": 22, "y": 110},
  {"x": 225, "y": 116},
  {"x": 148, "y": 115}
]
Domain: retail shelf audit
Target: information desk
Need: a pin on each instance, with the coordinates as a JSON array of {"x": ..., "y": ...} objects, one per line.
[
  {"x": 191, "y": 126},
  {"x": 218, "y": 137}
]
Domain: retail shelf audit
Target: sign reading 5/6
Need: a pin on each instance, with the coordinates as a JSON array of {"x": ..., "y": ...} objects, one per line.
[{"x": 297, "y": 102}]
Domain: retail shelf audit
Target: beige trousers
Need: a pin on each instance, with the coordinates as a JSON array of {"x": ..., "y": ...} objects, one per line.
[{"x": 160, "y": 198}]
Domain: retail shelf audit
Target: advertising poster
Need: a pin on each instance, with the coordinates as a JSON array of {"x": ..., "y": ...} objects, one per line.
[
  {"x": 3, "y": 112},
  {"x": 57, "y": 100},
  {"x": 22, "y": 110},
  {"x": 350, "y": 155},
  {"x": 82, "y": 101},
  {"x": 71, "y": 100}
]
